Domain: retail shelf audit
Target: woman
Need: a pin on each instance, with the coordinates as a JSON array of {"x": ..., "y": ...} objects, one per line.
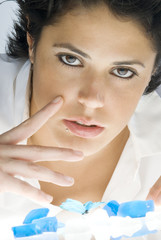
[{"x": 103, "y": 59}]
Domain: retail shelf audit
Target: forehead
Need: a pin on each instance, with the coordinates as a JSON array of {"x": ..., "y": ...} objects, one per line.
[{"x": 98, "y": 29}]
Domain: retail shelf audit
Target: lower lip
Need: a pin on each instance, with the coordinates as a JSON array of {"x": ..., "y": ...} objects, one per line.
[{"x": 81, "y": 131}]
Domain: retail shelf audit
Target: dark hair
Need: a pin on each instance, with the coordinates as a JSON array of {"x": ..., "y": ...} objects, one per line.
[{"x": 33, "y": 15}]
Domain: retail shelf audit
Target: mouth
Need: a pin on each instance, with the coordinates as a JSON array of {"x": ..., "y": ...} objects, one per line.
[{"x": 83, "y": 128}]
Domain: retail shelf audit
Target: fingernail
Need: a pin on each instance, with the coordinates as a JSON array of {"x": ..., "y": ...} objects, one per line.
[
  {"x": 69, "y": 179},
  {"x": 57, "y": 99},
  {"x": 78, "y": 153},
  {"x": 47, "y": 197}
]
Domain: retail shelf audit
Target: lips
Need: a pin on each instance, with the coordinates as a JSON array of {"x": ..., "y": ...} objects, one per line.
[{"x": 83, "y": 128}]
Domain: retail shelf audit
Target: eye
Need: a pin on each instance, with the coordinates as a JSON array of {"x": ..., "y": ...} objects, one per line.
[
  {"x": 70, "y": 60},
  {"x": 123, "y": 73}
]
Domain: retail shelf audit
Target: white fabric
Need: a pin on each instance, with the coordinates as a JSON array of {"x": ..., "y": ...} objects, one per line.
[{"x": 136, "y": 172}]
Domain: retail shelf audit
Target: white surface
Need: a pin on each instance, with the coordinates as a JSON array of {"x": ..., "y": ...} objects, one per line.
[{"x": 7, "y": 15}]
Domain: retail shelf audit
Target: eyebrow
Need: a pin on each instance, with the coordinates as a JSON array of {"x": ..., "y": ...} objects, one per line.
[
  {"x": 76, "y": 50},
  {"x": 72, "y": 48},
  {"x": 132, "y": 62}
]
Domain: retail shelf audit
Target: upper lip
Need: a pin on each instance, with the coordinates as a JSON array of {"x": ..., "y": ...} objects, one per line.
[{"x": 85, "y": 121}]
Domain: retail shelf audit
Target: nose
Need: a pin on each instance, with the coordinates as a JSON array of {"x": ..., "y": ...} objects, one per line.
[{"x": 91, "y": 95}]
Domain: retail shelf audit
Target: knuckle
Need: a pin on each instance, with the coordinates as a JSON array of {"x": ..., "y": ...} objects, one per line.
[
  {"x": 2, "y": 150},
  {"x": 38, "y": 152},
  {"x": 5, "y": 164},
  {"x": 33, "y": 167}
]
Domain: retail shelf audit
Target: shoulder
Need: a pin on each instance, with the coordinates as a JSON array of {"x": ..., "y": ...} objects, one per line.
[
  {"x": 9, "y": 67},
  {"x": 149, "y": 107},
  {"x": 145, "y": 125},
  {"x": 11, "y": 83}
]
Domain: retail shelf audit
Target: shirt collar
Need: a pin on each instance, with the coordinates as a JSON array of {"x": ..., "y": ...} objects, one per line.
[
  {"x": 145, "y": 126},
  {"x": 125, "y": 181},
  {"x": 144, "y": 141},
  {"x": 22, "y": 93}
]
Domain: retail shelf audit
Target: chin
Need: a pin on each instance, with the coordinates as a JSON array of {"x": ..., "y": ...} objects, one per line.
[{"x": 81, "y": 144}]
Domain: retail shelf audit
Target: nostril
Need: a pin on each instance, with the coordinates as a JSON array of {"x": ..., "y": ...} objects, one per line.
[
  {"x": 91, "y": 102},
  {"x": 91, "y": 99}
]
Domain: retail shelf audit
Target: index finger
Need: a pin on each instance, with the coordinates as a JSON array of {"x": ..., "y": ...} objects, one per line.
[{"x": 33, "y": 124}]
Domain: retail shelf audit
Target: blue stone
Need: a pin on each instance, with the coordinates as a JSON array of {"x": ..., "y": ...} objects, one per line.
[
  {"x": 135, "y": 209},
  {"x": 36, "y": 214},
  {"x": 48, "y": 224},
  {"x": 112, "y": 208},
  {"x": 26, "y": 230}
]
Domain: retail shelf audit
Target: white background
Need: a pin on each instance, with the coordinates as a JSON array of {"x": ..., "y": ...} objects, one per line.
[{"x": 7, "y": 15}]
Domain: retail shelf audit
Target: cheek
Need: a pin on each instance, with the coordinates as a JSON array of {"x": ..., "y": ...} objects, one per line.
[
  {"x": 50, "y": 82},
  {"x": 122, "y": 102}
]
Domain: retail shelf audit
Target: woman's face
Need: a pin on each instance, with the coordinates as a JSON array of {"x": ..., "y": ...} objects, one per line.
[{"x": 101, "y": 66}]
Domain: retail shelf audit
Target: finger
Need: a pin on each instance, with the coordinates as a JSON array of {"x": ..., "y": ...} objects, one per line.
[
  {"x": 14, "y": 185},
  {"x": 31, "y": 170},
  {"x": 39, "y": 153},
  {"x": 31, "y": 125},
  {"x": 154, "y": 193}
]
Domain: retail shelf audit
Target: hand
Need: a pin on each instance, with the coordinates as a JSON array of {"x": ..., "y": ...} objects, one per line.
[
  {"x": 19, "y": 159},
  {"x": 155, "y": 192}
]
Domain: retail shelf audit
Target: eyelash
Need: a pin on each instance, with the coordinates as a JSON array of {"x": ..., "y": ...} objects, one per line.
[
  {"x": 127, "y": 69},
  {"x": 75, "y": 66},
  {"x": 63, "y": 63}
]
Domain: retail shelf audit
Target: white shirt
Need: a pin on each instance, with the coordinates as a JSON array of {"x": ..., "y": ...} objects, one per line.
[{"x": 137, "y": 170}]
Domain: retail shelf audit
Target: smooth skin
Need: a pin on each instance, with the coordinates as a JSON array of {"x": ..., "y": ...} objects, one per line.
[
  {"x": 93, "y": 88},
  {"x": 20, "y": 160}
]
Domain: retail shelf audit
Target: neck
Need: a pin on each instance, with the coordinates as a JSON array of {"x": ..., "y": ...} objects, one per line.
[{"x": 91, "y": 175}]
